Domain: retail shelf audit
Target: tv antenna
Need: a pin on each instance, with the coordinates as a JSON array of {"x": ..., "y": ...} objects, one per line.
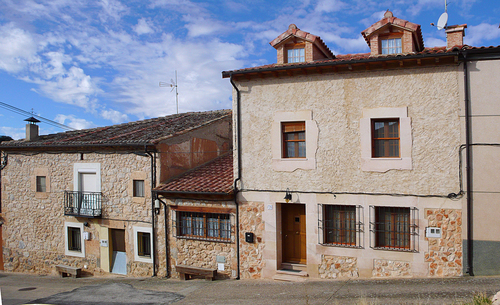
[
  {"x": 443, "y": 19},
  {"x": 174, "y": 86}
]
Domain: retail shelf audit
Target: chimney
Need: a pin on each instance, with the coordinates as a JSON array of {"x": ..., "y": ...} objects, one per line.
[
  {"x": 31, "y": 129},
  {"x": 455, "y": 35}
]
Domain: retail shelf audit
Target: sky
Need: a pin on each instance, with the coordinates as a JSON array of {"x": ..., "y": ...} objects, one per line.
[{"x": 92, "y": 63}]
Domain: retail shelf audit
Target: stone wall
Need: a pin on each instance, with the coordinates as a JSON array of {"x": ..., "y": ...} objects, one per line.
[
  {"x": 251, "y": 258},
  {"x": 33, "y": 232},
  {"x": 338, "y": 267},
  {"x": 202, "y": 253},
  {"x": 445, "y": 253},
  {"x": 391, "y": 268}
]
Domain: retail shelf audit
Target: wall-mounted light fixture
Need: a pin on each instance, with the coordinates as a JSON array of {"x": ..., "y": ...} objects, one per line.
[
  {"x": 288, "y": 195},
  {"x": 157, "y": 206}
]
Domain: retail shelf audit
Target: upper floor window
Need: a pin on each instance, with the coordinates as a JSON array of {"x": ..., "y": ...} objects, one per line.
[
  {"x": 391, "y": 46},
  {"x": 138, "y": 188},
  {"x": 385, "y": 138},
  {"x": 296, "y": 55},
  {"x": 41, "y": 185},
  {"x": 294, "y": 139}
]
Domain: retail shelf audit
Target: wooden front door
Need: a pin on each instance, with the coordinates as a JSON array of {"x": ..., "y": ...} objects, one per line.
[{"x": 293, "y": 227}]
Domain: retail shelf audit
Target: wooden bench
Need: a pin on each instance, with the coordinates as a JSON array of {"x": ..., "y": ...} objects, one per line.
[
  {"x": 65, "y": 271},
  {"x": 186, "y": 271}
]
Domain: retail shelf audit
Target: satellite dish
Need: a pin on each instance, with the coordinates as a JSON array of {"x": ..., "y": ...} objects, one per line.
[{"x": 443, "y": 21}]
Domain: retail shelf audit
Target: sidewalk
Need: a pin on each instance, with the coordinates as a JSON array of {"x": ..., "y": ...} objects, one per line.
[{"x": 22, "y": 288}]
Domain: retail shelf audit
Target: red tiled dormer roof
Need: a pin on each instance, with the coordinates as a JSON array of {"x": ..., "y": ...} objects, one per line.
[
  {"x": 138, "y": 133},
  {"x": 390, "y": 20},
  {"x": 294, "y": 31},
  {"x": 214, "y": 177}
]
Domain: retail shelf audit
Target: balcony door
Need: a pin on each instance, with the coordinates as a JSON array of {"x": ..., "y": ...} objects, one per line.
[{"x": 87, "y": 183}]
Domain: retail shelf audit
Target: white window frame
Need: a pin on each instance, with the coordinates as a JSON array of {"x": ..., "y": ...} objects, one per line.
[
  {"x": 136, "y": 252},
  {"x": 86, "y": 168},
  {"x": 292, "y": 58},
  {"x": 404, "y": 162},
  {"x": 312, "y": 131},
  {"x": 82, "y": 241}
]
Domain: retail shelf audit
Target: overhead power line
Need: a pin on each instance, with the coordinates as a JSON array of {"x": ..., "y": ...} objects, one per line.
[{"x": 23, "y": 112}]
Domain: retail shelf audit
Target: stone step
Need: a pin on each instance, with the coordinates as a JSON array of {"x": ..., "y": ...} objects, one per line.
[
  {"x": 292, "y": 266},
  {"x": 293, "y": 273},
  {"x": 289, "y": 278}
]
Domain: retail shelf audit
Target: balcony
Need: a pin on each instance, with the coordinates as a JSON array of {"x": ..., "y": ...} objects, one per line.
[{"x": 82, "y": 204}]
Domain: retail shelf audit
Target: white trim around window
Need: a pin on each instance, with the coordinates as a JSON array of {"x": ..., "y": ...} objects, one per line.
[
  {"x": 312, "y": 131},
  {"x": 404, "y": 162},
  {"x": 137, "y": 257},
  {"x": 86, "y": 168},
  {"x": 67, "y": 251}
]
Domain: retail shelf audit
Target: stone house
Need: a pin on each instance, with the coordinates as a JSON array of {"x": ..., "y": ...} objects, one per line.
[
  {"x": 84, "y": 198},
  {"x": 355, "y": 161}
]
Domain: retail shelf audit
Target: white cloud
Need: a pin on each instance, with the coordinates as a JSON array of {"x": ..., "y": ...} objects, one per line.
[
  {"x": 17, "y": 48},
  {"x": 143, "y": 27},
  {"x": 114, "y": 116},
  {"x": 72, "y": 121},
  {"x": 200, "y": 26},
  {"x": 328, "y": 6},
  {"x": 373, "y": 18},
  {"x": 479, "y": 35},
  {"x": 14, "y": 133}
]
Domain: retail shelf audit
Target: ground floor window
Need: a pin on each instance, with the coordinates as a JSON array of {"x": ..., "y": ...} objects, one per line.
[
  {"x": 340, "y": 225},
  {"x": 74, "y": 242},
  {"x": 142, "y": 244},
  {"x": 395, "y": 228},
  {"x": 207, "y": 226}
]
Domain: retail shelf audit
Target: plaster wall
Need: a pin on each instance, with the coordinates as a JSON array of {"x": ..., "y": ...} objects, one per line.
[{"x": 33, "y": 231}]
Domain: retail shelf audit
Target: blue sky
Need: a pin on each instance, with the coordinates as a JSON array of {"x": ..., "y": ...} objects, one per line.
[{"x": 87, "y": 63}]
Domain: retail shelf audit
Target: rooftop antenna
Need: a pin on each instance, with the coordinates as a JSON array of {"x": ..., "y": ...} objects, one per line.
[
  {"x": 174, "y": 86},
  {"x": 443, "y": 19}
]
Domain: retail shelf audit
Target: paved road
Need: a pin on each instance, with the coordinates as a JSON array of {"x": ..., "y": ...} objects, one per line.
[{"x": 31, "y": 289}]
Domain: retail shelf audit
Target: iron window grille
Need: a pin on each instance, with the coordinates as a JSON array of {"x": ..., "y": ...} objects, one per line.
[
  {"x": 203, "y": 226},
  {"x": 144, "y": 244},
  {"x": 394, "y": 228},
  {"x": 74, "y": 240},
  {"x": 341, "y": 225}
]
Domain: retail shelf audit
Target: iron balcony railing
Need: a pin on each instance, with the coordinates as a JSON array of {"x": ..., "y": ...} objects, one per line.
[{"x": 83, "y": 204}]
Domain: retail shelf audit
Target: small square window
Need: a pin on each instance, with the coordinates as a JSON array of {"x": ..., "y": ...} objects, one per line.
[
  {"x": 385, "y": 138},
  {"x": 41, "y": 184},
  {"x": 144, "y": 244},
  {"x": 138, "y": 188},
  {"x": 296, "y": 55},
  {"x": 294, "y": 139},
  {"x": 74, "y": 239},
  {"x": 391, "y": 46}
]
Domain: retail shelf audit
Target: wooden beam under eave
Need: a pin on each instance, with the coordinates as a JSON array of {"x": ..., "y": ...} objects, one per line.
[
  {"x": 289, "y": 72},
  {"x": 401, "y": 63},
  {"x": 304, "y": 71},
  {"x": 319, "y": 70},
  {"x": 419, "y": 62},
  {"x": 384, "y": 65},
  {"x": 367, "y": 66},
  {"x": 335, "y": 69},
  {"x": 455, "y": 58},
  {"x": 349, "y": 66},
  {"x": 436, "y": 60},
  {"x": 275, "y": 74}
]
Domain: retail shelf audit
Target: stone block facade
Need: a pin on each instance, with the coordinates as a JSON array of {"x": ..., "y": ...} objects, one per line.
[
  {"x": 391, "y": 268},
  {"x": 445, "y": 253},
  {"x": 251, "y": 254},
  {"x": 338, "y": 267}
]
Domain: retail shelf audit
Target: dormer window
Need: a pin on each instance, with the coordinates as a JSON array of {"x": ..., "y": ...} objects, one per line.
[
  {"x": 296, "y": 55},
  {"x": 391, "y": 46}
]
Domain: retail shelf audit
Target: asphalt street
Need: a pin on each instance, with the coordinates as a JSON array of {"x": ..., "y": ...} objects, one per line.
[{"x": 33, "y": 289}]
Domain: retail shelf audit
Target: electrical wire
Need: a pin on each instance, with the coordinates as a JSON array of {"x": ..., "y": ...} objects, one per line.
[{"x": 23, "y": 112}]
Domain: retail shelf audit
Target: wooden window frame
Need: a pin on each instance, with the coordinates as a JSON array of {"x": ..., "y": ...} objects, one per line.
[
  {"x": 294, "y": 128},
  {"x": 72, "y": 241},
  {"x": 296, "y": 47},
  {"x": 393, "y": 233},
  {"x": 393, "y": 36},
  {"x": 143, "y": 244},
  {"x": 386, "y": 138},
  {"x": 347, "y": 229},
  {"x": 223, "y": 220}
]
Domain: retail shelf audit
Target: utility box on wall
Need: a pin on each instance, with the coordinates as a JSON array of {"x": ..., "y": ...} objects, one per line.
[{"x": 249, "y": 237}]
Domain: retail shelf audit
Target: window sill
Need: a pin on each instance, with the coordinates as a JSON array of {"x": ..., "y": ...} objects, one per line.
[
  {"x": 226, "y": 241},
  {"x": 291, "y": 164},
  {"x": 395, "y": 249},
  {"x": 74, "y": 253},
  {"x": 144, "y": 259},
  {"x": 342, "y": 246},
  {"x": 385, "y": 164}
]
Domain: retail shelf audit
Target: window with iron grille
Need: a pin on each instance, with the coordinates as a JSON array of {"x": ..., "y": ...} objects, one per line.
[
  {"x": 74, "y": 239},
  {"x": 340, "y": 225},
  {"x": 205, "y": 226},
  {"x": 394, "y": 228},
  {"x": 144, "y": 244}
]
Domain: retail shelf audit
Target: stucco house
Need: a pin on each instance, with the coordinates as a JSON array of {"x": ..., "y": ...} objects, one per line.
[
  {"x": 84, "y": 198},
  {"x": 356, "y": 163}
]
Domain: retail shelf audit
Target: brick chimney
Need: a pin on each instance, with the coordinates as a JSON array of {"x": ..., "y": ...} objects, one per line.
[{"x": 455, "y": 35}]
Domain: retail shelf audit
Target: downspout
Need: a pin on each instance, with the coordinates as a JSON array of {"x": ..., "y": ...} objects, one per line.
[
  {"x": 167, "y": 270},
  {"x": 468, "y": 178},
  {"x": 153, "y": 185},
  {"x": 238, "y": 151},
  {"x": 3, "y": 164}
]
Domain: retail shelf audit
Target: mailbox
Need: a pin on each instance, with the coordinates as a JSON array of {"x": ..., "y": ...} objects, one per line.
[{"x": 249, "y": 237}]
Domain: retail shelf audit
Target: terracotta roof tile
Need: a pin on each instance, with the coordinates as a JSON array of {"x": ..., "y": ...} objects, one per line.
[
  {"x": 133, "y": 133},
  {"x": 294, "y": 31},
  {"x": 215, "y": 176}
]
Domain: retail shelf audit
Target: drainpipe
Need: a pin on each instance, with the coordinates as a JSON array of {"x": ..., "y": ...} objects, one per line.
[
  {"x": 167, "y": 270},
  {"x": 468, "y": 167},
  {"x": 153, "y": 185},
  {"x": 3, "y": 164},
  {"x": 238, "y": 141}
]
